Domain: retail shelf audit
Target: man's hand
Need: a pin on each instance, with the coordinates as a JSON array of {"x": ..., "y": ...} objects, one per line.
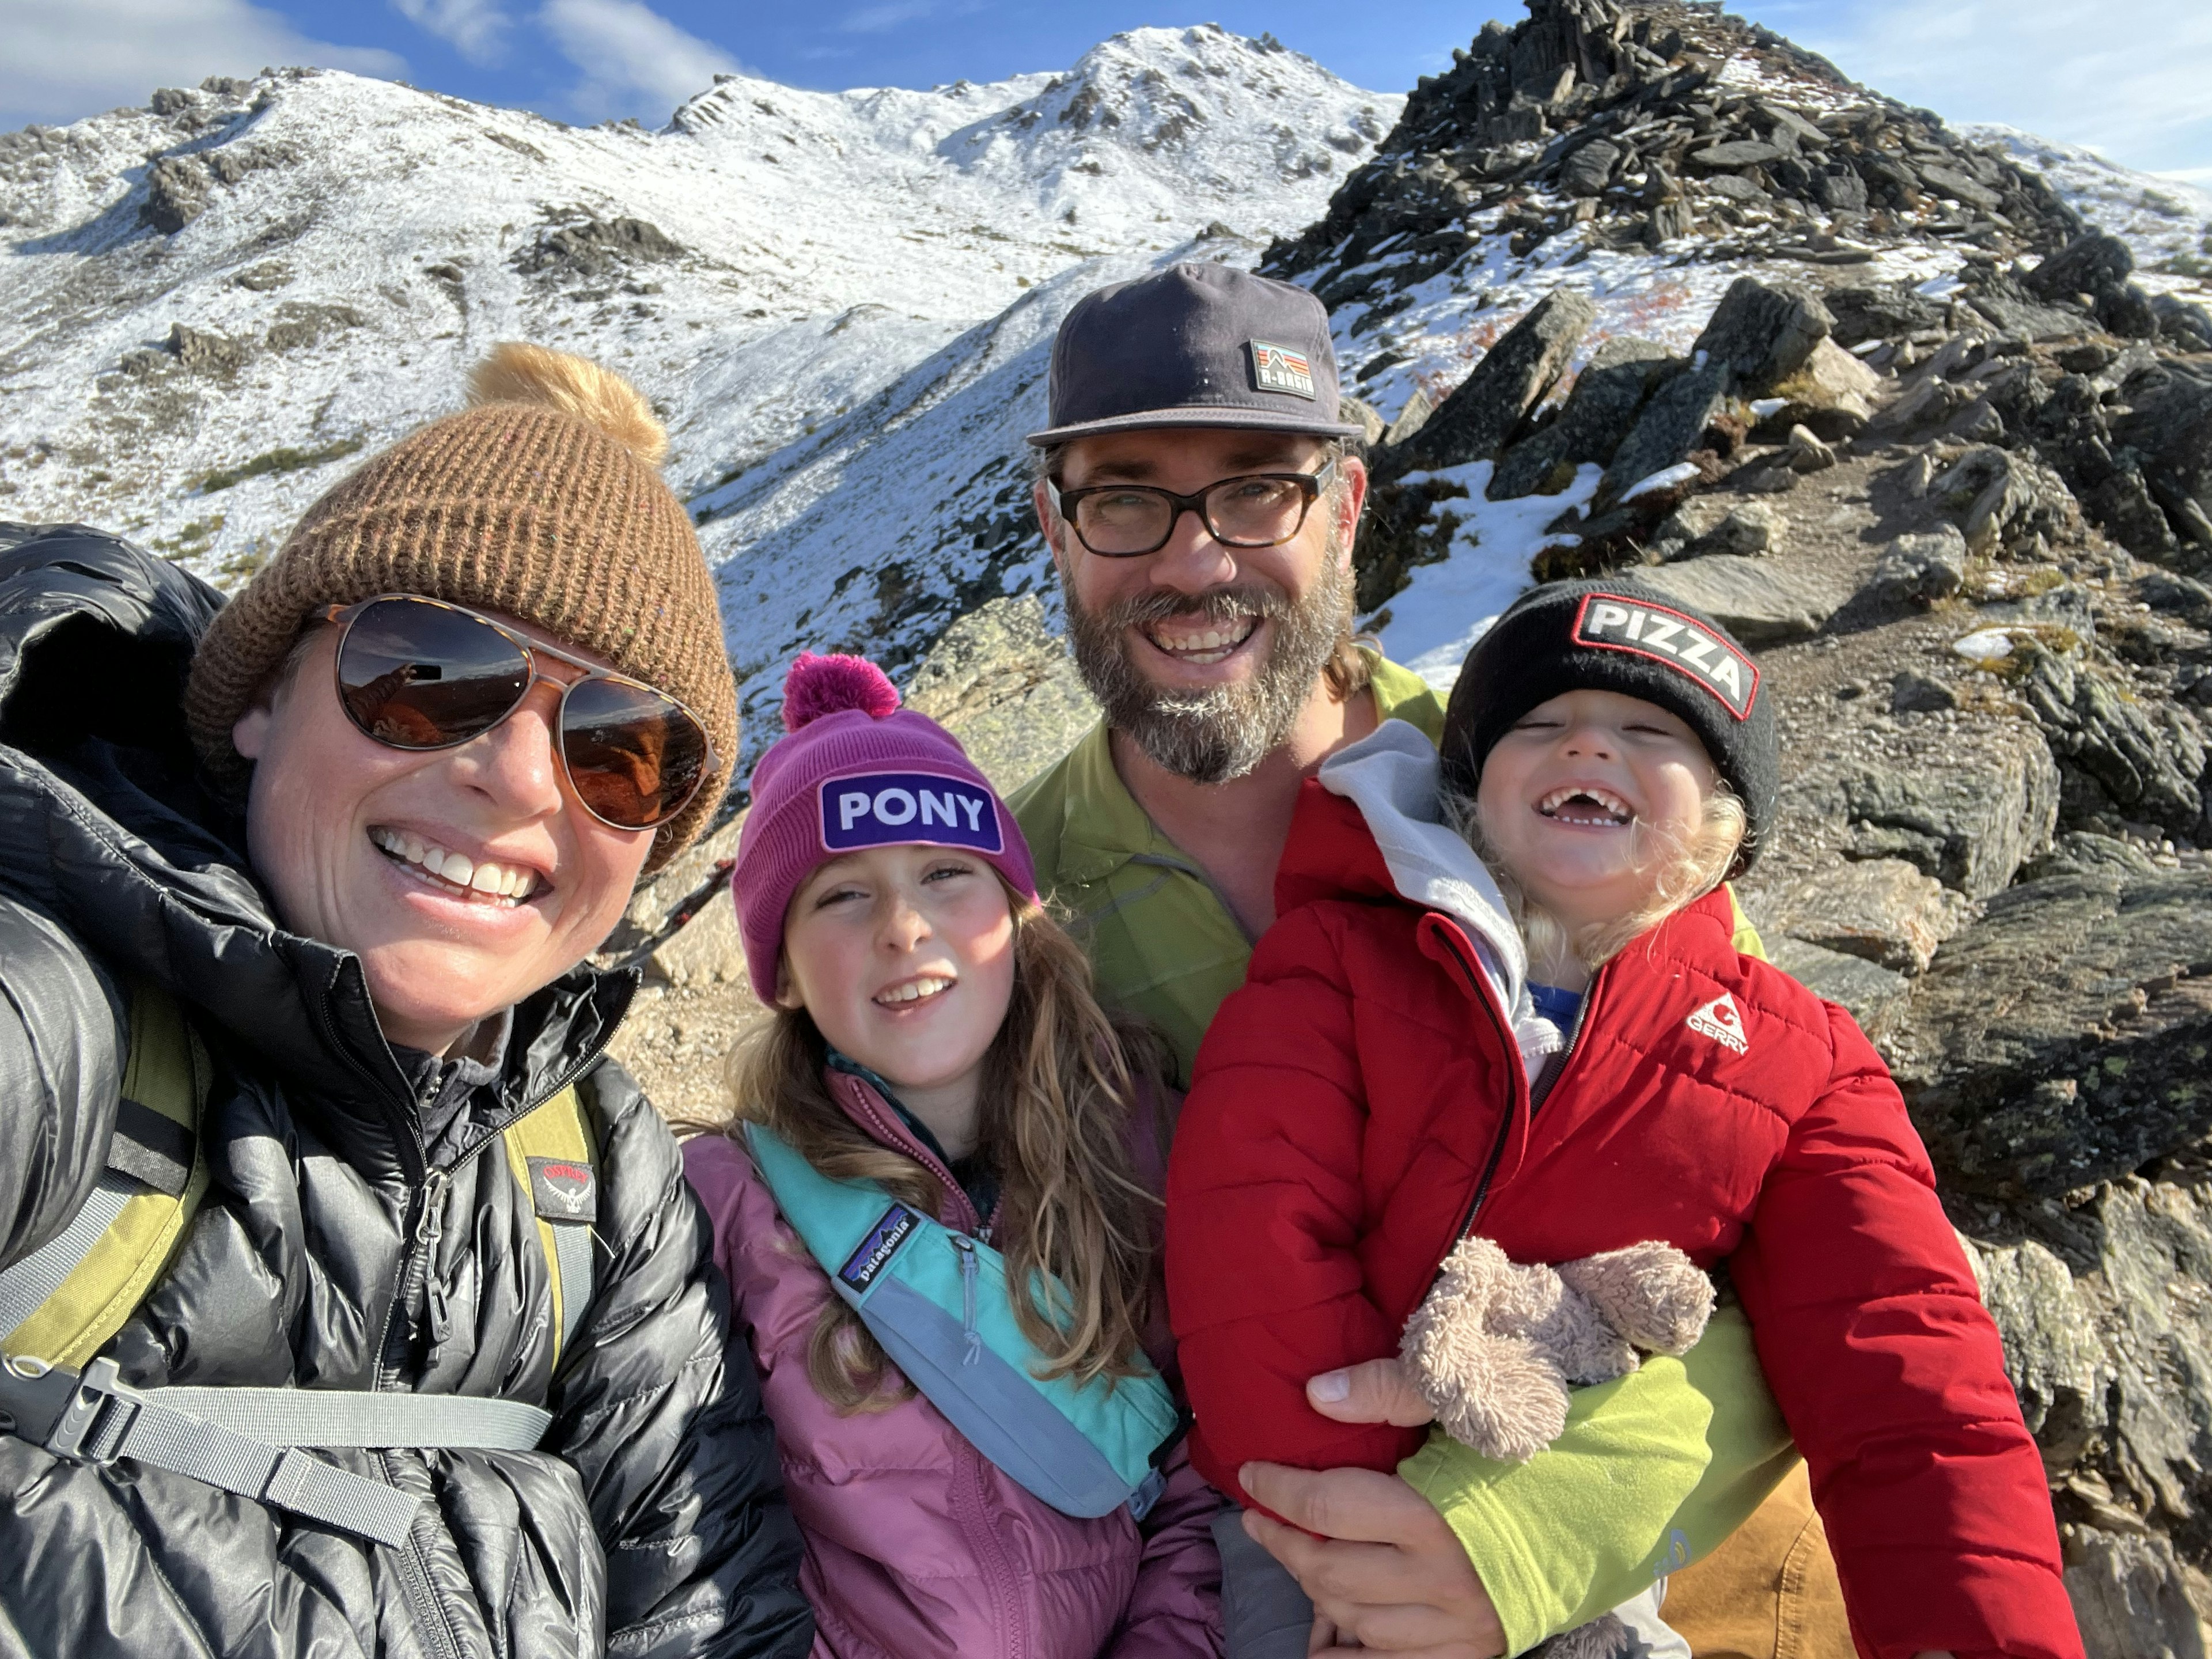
[
  {"x": 1376, "y": 1392},
  {"x": 1386, "y": 1572}
]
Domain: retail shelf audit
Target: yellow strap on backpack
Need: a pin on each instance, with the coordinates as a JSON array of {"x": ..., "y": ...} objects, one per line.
[
  {"x": 65, "y": 1302},
  {"x": 550, "y": 1150}
]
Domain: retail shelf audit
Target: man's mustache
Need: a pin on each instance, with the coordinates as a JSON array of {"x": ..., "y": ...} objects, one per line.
[{"x": 1218, "y": 604}]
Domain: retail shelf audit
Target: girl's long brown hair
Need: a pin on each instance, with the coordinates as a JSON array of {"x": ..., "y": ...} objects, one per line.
[{"x": 1060, "y": 1086}]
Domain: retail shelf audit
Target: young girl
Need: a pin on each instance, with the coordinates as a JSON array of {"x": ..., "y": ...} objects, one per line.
[
  {"x": 1578, "y": 1063},
  {"x": 937, "y": 1111}
]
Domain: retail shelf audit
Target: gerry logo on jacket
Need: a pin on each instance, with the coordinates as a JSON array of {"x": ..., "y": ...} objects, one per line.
[
  {"x": 1613, "y": 622},
  {"x": 1722, "y": 1021},
  {"x": 902, "y": 809}
]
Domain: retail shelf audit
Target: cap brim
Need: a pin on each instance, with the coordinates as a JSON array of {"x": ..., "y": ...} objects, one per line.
[{"x": 1211, "y": 415}]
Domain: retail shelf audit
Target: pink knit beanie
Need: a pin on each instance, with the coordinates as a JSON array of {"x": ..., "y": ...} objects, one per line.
[{"x": 856, "y": 770}]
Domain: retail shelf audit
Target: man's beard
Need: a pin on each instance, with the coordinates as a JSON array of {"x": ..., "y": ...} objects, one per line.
[{"x": 1222, "y": 731}]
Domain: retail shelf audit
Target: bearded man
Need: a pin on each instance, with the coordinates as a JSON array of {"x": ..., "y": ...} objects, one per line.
[{"x": 1201, "y": 492}]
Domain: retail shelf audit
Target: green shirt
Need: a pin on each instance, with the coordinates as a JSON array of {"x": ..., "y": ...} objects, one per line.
[
  {"x": 1165, "y": 945},
  {"x": 1653, "y": 1470}
]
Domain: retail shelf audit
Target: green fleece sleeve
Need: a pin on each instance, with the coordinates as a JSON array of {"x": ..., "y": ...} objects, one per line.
[{"x": 1652, "y": 1472}]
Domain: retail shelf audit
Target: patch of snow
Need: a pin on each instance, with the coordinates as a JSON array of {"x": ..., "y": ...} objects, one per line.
[
  {"x": 1984, "y": 644},
  {"x": 1432, "y": 623}
]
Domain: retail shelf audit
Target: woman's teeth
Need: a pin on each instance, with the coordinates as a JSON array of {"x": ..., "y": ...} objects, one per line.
[
  {"x": 1210, "y": 643},
  {"x": 913, "y": 991},
  {"x": 1586, "y": 806},
  {"x": 482, "y": 876}
]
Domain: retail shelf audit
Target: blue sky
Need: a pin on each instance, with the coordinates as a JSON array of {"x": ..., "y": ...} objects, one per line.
[{"x": 2125, "y": 76}]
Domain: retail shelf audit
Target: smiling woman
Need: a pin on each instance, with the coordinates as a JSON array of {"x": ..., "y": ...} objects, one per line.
[{"x": 470, "y": 810}]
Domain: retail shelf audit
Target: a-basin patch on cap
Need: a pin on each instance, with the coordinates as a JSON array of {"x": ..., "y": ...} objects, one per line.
[
  {"x": 1279, "y": 368},
  {"x": 904, "y": 809},
  {"x": 562, "y": 1190},
  {"x": 1614, "y": 621}
]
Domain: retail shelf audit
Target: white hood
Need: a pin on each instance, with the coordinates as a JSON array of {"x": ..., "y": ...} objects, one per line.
[{"x": 1394, "y": 777}]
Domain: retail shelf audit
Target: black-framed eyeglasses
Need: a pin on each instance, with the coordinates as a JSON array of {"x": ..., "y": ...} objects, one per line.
[
  {"x": 415, "y": 673},
  {"x": 1259, "y": 509}
]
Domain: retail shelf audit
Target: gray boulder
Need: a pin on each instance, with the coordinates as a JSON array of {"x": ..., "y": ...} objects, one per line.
[
  {"x": 1003, "y": 682},
  {"x": 2148, "y": 758},
  {"x": 2061, "y": 1040},
  {"x": 1968, "y": 801},
  {"x": 1669, "y": 428},
  {"x": 1609, "y": 393},
  {"x": 1762, "y": 333},
  {"x": 1483, "y": 413},
  {"x": 1920, "y": 570},
  {"x": 1758, "y": 602},
  {"x": 1589, "y": 169},
  {"x": 1720, "y": 524},
  {"x": 1873, "y": 995},
  {"x": 1883, "y": 909}
]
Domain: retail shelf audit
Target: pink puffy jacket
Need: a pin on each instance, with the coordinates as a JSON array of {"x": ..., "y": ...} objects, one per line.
[{"x": 916, "y": 1546}]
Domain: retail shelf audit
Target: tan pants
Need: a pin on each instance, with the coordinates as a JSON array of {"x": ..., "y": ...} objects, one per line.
[{"x": 1768, "y": 1593}]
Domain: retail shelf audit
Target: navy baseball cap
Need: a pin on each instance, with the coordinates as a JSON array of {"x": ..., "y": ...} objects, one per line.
[{"x": 1195, "y": 345}]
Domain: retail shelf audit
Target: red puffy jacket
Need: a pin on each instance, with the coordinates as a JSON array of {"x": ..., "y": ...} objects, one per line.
[{"x": 1360, "y": 1103}]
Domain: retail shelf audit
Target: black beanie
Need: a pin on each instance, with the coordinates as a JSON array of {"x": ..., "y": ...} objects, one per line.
[{"x": 1618, "y": 637}]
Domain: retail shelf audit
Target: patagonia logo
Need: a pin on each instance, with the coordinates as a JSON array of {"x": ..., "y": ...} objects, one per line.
[
  {"x": 1721, "y": 1020},
  {"x": 1279, "y": 368},
  {"x": 883, "y": 1242},
  {"x": 563, "y": 1191},
  {"x": 1613, "y": 622},
  {"x": 897, "y": 809}
]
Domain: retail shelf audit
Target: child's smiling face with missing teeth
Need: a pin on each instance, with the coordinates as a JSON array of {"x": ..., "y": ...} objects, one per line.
[{"x": 1584, "y": 798}]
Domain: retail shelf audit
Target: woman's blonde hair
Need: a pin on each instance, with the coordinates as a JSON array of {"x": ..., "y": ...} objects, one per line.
[
  {"x": 1686, "y": 869},
  {"x": 1060, "y": 1085}
]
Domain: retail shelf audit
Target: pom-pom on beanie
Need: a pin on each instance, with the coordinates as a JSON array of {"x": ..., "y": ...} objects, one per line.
[
  {"x": 542, "y": 500},
  {"x": 854, "y": 770},
  {"x": 1618, "y": 635}
]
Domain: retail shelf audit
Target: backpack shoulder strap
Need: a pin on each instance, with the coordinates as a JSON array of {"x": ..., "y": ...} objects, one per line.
[
  {"x": 62, "y": 1302},
  {"x": 549, "y": 1149}
]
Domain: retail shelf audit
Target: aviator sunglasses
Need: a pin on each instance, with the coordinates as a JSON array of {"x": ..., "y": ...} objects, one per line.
[{"x": 420, "y": 673}]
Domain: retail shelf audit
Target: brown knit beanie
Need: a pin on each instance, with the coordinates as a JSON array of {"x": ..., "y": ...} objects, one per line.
[{"x": 543, "y": 501}]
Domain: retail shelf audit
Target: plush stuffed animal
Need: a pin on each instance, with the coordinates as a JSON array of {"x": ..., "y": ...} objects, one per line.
[{"x": 1495, "y": 1346}]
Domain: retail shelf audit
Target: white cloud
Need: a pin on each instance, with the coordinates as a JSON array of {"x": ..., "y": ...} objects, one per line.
[
  {"x": 874, "y": 20},
  {"x": 474, "y": 29},
  {"x": 66, "y": 59},
  {"x": 635, "y": 61},
  {"x": 2126, "y": 77}
]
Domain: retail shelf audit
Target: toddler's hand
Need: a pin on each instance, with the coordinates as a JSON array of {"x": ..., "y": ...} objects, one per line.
[{"x": 1375, "y": 1392}]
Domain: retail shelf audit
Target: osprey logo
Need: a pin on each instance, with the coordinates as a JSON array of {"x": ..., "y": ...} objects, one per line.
[
  {"x": 563, "y": 1191},
  {"x": 1279, "y": 368},
  {"x": 1613, "y": 622},
  {"x": 1720, "y": 1020}
]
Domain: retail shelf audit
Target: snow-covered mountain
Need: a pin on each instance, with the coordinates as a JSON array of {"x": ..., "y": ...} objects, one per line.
[
  {"x": 209, "y": 306},
  {"x": 842, "y": 303}
]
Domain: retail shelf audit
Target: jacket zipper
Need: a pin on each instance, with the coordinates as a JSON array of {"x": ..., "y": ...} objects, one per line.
[
  {"x": 1537, "y": 1095},
  {"x": 427, "y": 1608},
  {"x": 971, "y": 1338}
]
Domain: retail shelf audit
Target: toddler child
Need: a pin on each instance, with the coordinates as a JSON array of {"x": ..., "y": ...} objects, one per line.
[
  {"x": 1572, "y": 1058},
  {"x": 938, "y": 1215}
]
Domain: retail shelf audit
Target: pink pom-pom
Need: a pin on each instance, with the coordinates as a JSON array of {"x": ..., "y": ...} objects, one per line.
[{"x": 829, "y": 686}]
